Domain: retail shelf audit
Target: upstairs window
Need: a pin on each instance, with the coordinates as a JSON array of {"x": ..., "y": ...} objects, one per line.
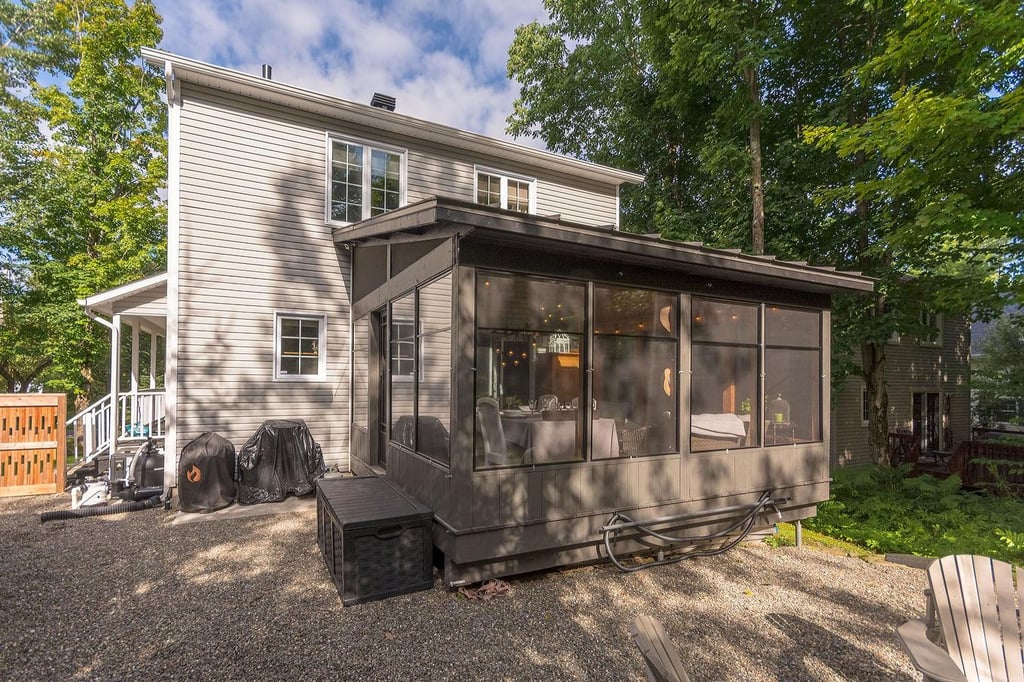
[
  {"x": 365, "y": 180},
  {"x": 500, "y": 190}
]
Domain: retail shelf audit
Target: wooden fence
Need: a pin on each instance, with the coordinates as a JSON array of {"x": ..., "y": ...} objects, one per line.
[
  {"x": 33, "y": 443},
  {"x": 1005, "y": 467}
]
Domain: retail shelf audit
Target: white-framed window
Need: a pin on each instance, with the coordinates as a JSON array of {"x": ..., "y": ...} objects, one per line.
[
  {"x": 503, "y": 190},
  {"x": 300, "y": 344},
  {"x": 403, "y": 349},
  {"x": 363, "y": 179}
]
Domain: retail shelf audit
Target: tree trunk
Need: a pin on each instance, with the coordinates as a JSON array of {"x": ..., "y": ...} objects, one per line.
[
  {"x": 873, "y": 358},
  {"x": 756, "y": 186}
]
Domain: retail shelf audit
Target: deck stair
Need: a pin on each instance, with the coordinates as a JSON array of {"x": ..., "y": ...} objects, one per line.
[{"x": 138, "y": 417}]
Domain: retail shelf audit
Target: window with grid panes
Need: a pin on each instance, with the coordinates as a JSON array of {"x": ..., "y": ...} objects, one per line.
[
  {"x": 364, "y": 181},
  {"x": 299, "y": 347},
  {"x": 502, "y": 191}
]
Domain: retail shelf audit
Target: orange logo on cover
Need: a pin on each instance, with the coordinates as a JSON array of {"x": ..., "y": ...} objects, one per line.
[{"x": 193, "y": 474}]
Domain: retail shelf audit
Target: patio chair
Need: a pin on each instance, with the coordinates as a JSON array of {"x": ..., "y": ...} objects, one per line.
[
  {"x": 659, "y": 653},
  {"x": 497, "y": 450},
  {"x": 634, "y": 439},
  {"x": 973, "y": 598},
  {"x": 548, "y": 401}
]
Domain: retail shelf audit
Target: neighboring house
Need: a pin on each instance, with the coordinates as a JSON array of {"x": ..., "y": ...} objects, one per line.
[
  {"x": 462, "y": 315},
  {"x": 928, "y": 383}
]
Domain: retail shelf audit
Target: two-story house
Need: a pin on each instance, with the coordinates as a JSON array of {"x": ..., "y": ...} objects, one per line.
[{"x": 462, "y": 315}]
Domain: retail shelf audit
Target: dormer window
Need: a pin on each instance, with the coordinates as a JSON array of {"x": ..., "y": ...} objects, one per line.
[
  {"x": 510, "y": 192},
  {"x": 364, "y": 180}
]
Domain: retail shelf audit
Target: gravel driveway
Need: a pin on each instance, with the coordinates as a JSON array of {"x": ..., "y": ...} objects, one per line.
[{"x": 131, "y": 596}]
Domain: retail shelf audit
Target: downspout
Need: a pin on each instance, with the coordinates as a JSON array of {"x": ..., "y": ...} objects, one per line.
[
  {"x": 171, "y": 330},
  {"x": 351, "y": 351},
  {"x": 115, "y": 368}
]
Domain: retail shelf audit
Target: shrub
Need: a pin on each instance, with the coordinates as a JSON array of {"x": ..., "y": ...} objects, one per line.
[{"x": 882, "y": 510}]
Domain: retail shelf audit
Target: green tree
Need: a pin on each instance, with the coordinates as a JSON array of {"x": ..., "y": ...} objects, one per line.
[
  {"x": 686, "y": 92},
  {"x": 673, "y": 91},
  {"x": 80, "y": 172},
  {"x": 998, "y": 371},
  {"x": 938, "y": 193}
]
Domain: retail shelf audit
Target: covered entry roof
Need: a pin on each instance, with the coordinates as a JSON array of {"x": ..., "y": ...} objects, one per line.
[
  {"x": 143, "y": 299},
  {"x": 509, "y": 230}
]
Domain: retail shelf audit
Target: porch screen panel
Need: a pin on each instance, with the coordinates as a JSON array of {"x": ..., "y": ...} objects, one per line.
[
  {"x": 792, "y": 375},
  {"x": 724, "y": 390},
  {"x": 402, "y": 368},
  {"x": 529, "y": 381},
  {"x": 635, "y": 369},
  {"x": 434, "y": 352},
  {"x": 360, "y": 371}
]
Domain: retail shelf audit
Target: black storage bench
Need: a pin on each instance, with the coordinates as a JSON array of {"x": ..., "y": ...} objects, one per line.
[{"x": 375, "y": 538}]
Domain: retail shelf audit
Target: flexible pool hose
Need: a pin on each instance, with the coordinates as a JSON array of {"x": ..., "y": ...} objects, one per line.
[
  {"x": 104, "y": 510},
  {"x": 620, "y": 522}
]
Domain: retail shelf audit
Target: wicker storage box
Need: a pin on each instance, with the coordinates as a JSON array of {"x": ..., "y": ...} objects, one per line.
[{"x": 375, "y": 539}]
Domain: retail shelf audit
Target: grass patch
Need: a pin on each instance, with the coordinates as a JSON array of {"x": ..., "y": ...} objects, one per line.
[{"x": 786, "y": 537}]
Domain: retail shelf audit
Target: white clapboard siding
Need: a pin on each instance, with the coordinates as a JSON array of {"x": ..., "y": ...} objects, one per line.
[
  {"x": 432, "y": 170},
  {"x": 587, "y": 205},
  {"x": 253, "y": 242}
]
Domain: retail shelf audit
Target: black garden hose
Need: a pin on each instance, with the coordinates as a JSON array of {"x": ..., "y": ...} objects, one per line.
[{"x": 82, "y": 512}]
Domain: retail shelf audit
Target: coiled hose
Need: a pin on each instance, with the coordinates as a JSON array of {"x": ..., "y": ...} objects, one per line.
[
  {"x": 82, "y": 512},
  {"x": 620, "y": 522}
]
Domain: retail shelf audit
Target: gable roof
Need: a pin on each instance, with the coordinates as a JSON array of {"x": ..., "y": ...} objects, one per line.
[{"x": 177, "y": 68}]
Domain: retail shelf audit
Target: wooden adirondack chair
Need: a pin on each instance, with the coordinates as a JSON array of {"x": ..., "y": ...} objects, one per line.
[
  {"x": 979, "y": 612},
  {"x": 659, "y": 653}
]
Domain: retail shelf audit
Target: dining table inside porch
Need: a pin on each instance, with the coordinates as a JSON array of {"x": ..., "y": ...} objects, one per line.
[{"x": 550, "y": 440}]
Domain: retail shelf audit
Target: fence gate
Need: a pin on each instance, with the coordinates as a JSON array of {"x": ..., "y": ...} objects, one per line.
[{"x": 33, "y": 443}]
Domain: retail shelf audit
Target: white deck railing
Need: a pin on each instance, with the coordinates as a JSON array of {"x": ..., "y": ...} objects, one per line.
[{"x": 139, "y": 416}]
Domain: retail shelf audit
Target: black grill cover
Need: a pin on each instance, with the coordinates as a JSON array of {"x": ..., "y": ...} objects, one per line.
[
  {"x": 206, "y": 474},
  {"x": 280, "y": 458}
]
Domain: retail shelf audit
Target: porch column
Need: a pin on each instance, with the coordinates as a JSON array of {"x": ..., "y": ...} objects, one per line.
[
  {"x": 135, "y": 358},
  {"x": 115, "y": 381},
  {"x": 152, "y": 360}
]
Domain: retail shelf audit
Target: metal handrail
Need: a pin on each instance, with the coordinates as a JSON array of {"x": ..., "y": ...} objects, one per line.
[
  {"x": 140, "y": 416},
  {"x": 94, "y": 422}
]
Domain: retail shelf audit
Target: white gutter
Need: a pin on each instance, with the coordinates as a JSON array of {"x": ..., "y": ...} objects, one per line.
[{"x": 173, "y": 222}]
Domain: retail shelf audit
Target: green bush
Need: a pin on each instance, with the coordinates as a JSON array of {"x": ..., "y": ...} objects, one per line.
[{"x": 880, "y": 509}]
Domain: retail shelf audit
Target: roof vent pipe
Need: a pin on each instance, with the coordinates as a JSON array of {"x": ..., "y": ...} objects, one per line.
[
  {"x": 266, "y": 71},
  {"x": 383, "y": 101}
]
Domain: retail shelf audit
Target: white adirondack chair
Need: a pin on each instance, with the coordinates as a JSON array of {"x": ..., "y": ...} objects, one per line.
[
  {"x": 659, "y": 653},
  {"x": 979, "y": 612}
]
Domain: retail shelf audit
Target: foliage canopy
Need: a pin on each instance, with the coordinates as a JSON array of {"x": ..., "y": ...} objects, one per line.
[{"x": 80, "y": 170}]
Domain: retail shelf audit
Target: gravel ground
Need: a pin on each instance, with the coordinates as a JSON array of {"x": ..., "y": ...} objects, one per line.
[{"x": 130, "y": 596}]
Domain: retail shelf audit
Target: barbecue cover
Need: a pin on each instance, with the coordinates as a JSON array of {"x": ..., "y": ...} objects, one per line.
[
  {"x": 206, "y": 474},
  {"x": 280, "y": 458}
]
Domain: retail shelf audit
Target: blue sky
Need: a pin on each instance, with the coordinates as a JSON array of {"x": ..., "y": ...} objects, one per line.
[{"x": 443, "y": 60}]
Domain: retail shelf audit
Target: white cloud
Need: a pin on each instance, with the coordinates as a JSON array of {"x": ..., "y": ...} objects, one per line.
[{"x": 444, "y": 62}]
